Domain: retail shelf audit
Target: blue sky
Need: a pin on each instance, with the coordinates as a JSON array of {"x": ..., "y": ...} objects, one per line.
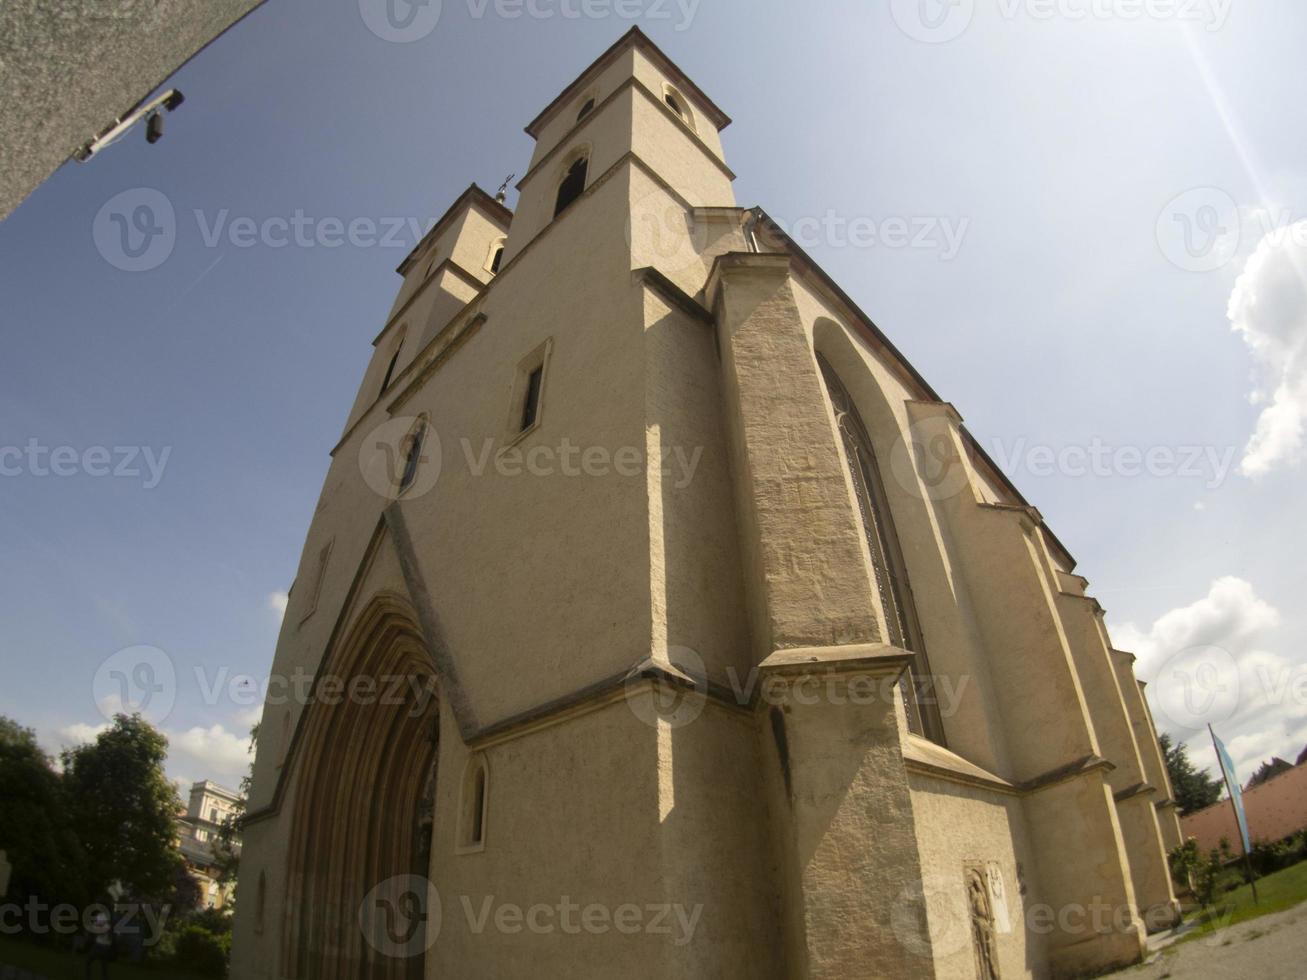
[{"x": 1070, "y": 152}]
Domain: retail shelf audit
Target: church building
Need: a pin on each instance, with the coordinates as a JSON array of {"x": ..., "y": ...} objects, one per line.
[{"x": 658, "y": 619}]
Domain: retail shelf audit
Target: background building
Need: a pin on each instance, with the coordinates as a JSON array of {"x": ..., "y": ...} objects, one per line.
[
  {"x": 690, "y": 595},
  {"x": 209, "y": 807}
]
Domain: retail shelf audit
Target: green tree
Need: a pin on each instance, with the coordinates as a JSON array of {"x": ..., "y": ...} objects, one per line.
[
  {"x": 226, "y": 850},
  {"x": 124, "y": 808},
  {"x": 1268, "y": 770},
  {"x": 35, "y": 830},
  {"x": 1194, "y": 788}
]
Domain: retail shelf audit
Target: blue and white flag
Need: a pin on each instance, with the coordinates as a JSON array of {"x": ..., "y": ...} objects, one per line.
[{"x": 1236, "y": 794}]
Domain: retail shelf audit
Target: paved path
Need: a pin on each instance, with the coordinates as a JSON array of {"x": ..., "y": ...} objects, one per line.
[{"x": 1273, "y": 947}]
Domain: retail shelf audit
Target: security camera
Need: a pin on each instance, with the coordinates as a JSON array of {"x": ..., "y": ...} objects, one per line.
[{"x": 152, "y": 112}]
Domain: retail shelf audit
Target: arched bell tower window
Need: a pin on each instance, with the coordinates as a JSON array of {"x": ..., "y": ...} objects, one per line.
[
  {"x": 676, "y": 102},
  {"x": 572, "y": 186},
  {"x": 902, "y": 624}
]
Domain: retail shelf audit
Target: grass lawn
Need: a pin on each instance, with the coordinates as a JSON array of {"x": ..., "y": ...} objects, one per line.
[
  {"x": 1279, "y": 891},
  {"x": 54, "y": 964}
]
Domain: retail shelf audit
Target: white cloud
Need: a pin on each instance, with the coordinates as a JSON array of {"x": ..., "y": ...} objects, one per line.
[
  {"x": 1207, "y": 662},
  {"x": 76, "y": 734},
  {"x": 277, "y": 603},
  {"x": 1268, "y": 309},
  {"x": 193, "y": 753},
  {"x": 210, "y": 753}
]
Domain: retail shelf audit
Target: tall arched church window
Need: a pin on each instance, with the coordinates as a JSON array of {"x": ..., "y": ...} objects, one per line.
[
  {"x": 891, "y": 574},
  {"x": 572, "y": 186}
]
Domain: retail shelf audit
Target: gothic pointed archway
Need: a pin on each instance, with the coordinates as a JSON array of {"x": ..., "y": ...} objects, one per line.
[{"x": 364, "y": 782}]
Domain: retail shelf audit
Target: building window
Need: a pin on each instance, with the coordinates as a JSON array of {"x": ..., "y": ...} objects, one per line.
[
  {"x": 412, "y": 454},
  {"x": 495, "y": 257},
  {"x": 394, "y": 359},
  {"x": 472, "y": 833},
  {"x": 528, "y": 392},
  {"x": 213, "y": 816},
  {"x": 572, "y": 186},
  {"x": 585, "y": 109},
  {"x": 678, "y": 105},
  {"x": 260, "y": 902},
  {"x": 531, "y": 404},
  {"x": 321, "y": 574},
  {"x": 887, "y": 563}
]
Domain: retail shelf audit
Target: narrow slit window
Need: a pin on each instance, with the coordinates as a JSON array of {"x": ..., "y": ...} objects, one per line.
[
  {"x": 496, "y": 259},
  {"x": 477, "y": 831},
  {"x": 390, "y": 368},
  {"x": 472, "y": 823},
  {"x": 585, "y": 109},
  {"x": 413, "y": 456},
  {"x": 572, "y": 186},
  {"x": 531, "y": 403}
]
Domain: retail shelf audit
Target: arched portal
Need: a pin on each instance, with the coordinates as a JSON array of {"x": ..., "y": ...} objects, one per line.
[{"x": 364, "y": 776}]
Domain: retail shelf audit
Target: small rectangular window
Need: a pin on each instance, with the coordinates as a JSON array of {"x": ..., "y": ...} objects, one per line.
[{"x": 531, "y": 404}]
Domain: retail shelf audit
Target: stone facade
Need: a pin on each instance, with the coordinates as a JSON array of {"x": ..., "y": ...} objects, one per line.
[{"x": 714, "y": 645}]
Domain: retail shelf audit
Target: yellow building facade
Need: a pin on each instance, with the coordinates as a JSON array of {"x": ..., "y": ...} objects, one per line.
[{"x": 657, "y": 619}]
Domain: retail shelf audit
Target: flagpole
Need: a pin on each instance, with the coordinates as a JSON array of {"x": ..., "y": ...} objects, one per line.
[{"x": 1247, "y": 861}]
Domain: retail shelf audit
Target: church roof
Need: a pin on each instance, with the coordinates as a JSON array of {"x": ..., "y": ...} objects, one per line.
[{"x": 632, "y": 38}]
